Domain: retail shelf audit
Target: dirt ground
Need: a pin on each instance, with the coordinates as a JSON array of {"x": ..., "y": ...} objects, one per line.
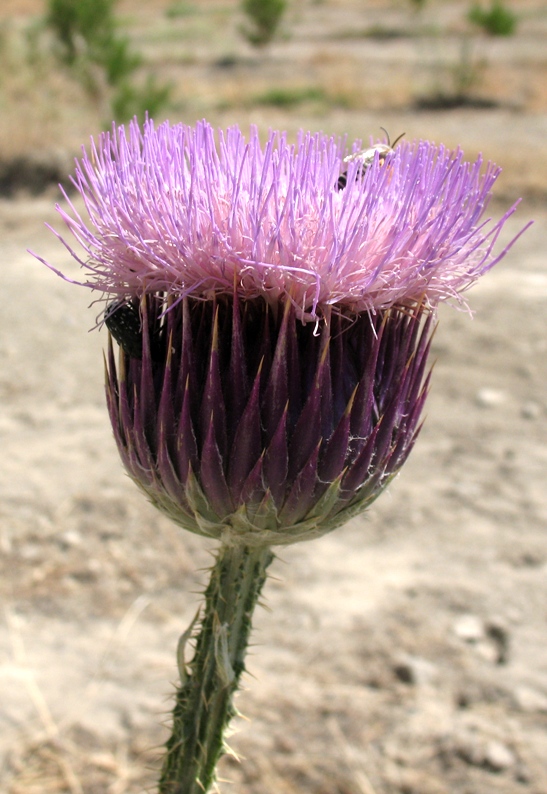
[{"x": 403, "y": 654}]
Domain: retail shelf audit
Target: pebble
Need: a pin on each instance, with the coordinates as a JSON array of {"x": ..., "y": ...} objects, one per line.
[
  {"x": 530, "y": 700},
  {"x": 71, "y": 538},
  {"x": 498, "y": 633},
  {"x": 490, "y": 754},
  {"x": 498, "y": 756},
  {"x": 491, "y": 639},
  {"x": 469, "y": 628},
  {"x": 489, "y": 652},
  {"x": 490, "y": 398},
  {"x": 414, "y": 669}
]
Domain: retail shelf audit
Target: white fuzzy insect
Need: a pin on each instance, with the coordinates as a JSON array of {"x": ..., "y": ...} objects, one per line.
[{"x": 365, "y": 157}]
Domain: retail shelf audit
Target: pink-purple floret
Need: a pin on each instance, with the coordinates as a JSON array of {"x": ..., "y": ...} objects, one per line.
[{"x": 180, "y": 210}]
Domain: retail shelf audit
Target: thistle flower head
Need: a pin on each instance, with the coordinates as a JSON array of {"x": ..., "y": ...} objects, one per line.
[
  {"x": 238, "y": 417},
  {"x": 175, "y": 210}
]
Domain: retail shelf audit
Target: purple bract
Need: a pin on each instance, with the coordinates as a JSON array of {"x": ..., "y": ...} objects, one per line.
[{"x": 240, "y": 422}]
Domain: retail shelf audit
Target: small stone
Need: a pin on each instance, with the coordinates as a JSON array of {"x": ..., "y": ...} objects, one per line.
[
  {"x": 487, "y": 651},
  {"x": 71, "y": 538},
  {"x": 469, "y": 628},
  {"x": 414, "y": 670},
  {"x": 489, "y": 754},
  {"x": 490, "y": 398},
  {"x": 498, "y": 633},
  {"x": 498, "y": 756},
  {"x": 468, "y": 748},
  {"x": 530, "y": 700}
]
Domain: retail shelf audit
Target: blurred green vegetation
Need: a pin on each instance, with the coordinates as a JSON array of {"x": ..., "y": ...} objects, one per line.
[
  {"x": 180, "y": 8},
  {"x": 497, "y": 20},
  {"x": 264, "y": 17},
  {"x": 68, "y": 72},
  {"x": 289, "y": 97},
  {"x": 89, "y": 42}
]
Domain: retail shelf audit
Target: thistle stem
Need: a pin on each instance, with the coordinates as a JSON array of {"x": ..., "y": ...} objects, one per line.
[{"x": 204, "y": 700}]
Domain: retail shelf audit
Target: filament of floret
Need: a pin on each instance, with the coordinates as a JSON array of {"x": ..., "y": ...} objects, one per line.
[{"x": 175, "y": 210}]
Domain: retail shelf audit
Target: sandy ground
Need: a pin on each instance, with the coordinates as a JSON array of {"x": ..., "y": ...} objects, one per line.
[{"x": 403, "y": 654}]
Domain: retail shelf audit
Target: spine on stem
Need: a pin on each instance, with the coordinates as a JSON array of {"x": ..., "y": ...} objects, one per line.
[{"x": 204, "y": 700}]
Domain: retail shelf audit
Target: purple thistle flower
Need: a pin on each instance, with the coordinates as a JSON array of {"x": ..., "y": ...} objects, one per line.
[
  {"x": 274, "y": 329},
  {"x": 172, "y": 210},
  {"x": 274, "y": 308}
]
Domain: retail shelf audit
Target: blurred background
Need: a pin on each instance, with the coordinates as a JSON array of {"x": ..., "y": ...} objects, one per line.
[{"x": 469, "y": 72}]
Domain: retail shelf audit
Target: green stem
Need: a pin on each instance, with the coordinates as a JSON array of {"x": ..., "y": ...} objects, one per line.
[{"x": 204, "y": 700}]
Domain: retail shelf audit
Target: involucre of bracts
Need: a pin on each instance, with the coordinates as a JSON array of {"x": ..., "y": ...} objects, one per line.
[{"x": 242, "y": 423}]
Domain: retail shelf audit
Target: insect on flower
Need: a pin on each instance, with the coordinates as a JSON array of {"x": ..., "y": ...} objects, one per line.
[
  {"x": 123, "y": 320},
  {"x": 366, "y": 157}
]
